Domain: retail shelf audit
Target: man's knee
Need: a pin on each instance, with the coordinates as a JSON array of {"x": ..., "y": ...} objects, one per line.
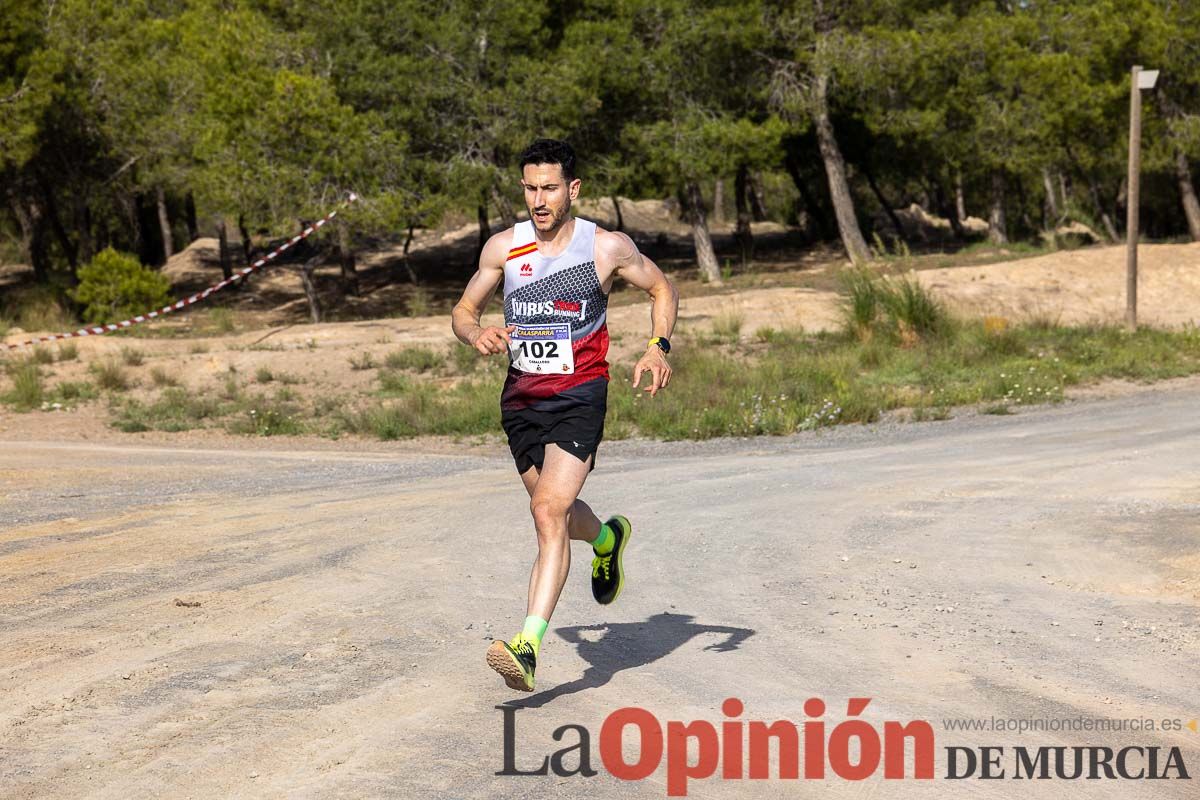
[{"x": 549, "y": 514}]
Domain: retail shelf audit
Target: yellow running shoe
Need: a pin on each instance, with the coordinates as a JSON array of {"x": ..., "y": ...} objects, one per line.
[
  {"x": 515, "y": 661},
  {"x": 608, "y": 572}
]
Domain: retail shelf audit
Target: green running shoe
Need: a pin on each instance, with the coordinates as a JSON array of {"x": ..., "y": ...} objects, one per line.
[
  {"x": 608, "y": 572},
  {"x": 515, "y": 661}
]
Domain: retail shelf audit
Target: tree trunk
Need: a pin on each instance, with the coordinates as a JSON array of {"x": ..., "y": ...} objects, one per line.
[
  {"x": 718, "y": 212},
  {"x": 164, "y": 224},
  {"x": 706, "y": 257},
  {"x": 758, "y": 200},
  {"x": 346, "y": 257},
  {"x": 1187, "y": 194},
  {"x": 1023, "y": 203},
  {"x": 815, "y": 211},
  {"x": 103, "y": 236},
  {"x": 485, "y": 230},
  {"x": 310, "y": 288},
  {"x": 997, "y": 222},
  {"x": 504, "y": 208},
  {"x": 33, "y": 234},
  {"x": 743, "y": 233},
  {"x": 835, "y": 169},
  {"x": 130, "y": 204},
  {"x": 69, "y": 248},
  {"x": 960, "y": 199},
  {"x": 223, "y": 250},
  {"x": 189, "y": 210},
  {"x": 1094, "y": 191},
  {"x": 940, "y": 201},
  {"x": 1052, "y": 209},
  {"x": 887, "y": 207},
  {"x": 247, "y": 248},
  {"x": 405, "y": 261},
  {"x": 83, "y": 227},
  {"x": 617, "y": 211}
]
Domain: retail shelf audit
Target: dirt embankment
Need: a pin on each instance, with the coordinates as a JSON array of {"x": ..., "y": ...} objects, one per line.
[{"x": 316, "y": 360}]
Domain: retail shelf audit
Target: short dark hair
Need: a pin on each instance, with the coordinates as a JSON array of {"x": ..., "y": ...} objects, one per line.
[{"x": 550, "y": 151}]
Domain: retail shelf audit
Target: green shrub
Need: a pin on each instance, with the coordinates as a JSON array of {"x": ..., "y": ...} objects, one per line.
[
  {"x": 67, "y": 391},
  {"x": 863, "y": 300},
  {"x": 914, "y": 308},
  {"x": 37, "y": 308},
  {"x": 163, "y": 378},
  {"x": 418, "y": 359},
  {"x": 910, "y": 309},
  {"x": 116, "y": 286},
  {"x": 420, "y": 303},
  {"x": 27, "y": 392},
  {"x": 362, "y": 361},
  {"x": 267, "y": 418},
  {"x": 727, "y": 325},
  {"x": 110, "y": 375},
  {"x": 466, "y": 359},
  {"x": 68, "y": 351},
  {"x": 393, "y": 383},
  {"x": 132, "y": 356},
  {"x": 221, "y": 320},
  {"x": 175, "y": 410}
]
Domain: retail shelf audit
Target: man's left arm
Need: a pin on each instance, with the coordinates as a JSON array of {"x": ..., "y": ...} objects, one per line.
[{"x": 643, "y": 273}]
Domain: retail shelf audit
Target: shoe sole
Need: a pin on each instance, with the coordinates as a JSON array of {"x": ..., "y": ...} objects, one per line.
[
  {"x": 499, "y": 659},
  {"x": 620, "y": 559}
]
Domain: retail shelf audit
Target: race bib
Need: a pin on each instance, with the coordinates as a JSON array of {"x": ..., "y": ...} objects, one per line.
[{"x": 543, "y": 349}]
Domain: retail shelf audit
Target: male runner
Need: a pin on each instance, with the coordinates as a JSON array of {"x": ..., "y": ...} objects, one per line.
[{"x": 557, "y": 271}]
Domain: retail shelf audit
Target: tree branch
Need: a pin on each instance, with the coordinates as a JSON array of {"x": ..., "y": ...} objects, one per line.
[{"x": 15, "y": 96}]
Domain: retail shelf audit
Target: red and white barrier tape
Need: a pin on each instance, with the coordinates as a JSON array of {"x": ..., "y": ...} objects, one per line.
[{"x": 100, "y": 330}]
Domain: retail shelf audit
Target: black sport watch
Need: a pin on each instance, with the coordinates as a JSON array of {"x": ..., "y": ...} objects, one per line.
[{"x": 663, "y": 342}]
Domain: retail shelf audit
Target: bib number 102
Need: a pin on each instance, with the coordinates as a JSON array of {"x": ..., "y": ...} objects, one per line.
[{"x": 538, "y": 349}]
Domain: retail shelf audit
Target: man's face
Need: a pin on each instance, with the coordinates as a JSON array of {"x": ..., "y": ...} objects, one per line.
[{"x": 548, "y": 195}]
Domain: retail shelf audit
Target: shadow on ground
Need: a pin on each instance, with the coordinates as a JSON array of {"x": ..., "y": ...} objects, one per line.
[{"x": 628, "y": 645}]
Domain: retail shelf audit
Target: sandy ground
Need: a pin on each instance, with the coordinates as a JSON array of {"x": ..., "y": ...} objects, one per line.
[
  {"x": 1069, "y": 287},
  {"x": 1079, "y": 286},
  {"x": 194, "y": 622}
]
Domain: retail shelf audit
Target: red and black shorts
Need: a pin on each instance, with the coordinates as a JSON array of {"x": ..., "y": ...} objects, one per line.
[{"x": 573, "y": 420}]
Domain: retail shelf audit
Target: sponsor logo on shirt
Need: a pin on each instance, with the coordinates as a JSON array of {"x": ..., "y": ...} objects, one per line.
[{"x": 570, "y": 309}]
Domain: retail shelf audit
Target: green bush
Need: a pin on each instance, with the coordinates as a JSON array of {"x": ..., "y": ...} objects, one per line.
[
  {"x": 418, "y": 359},
  {"x": 109, "y": 375},
  {"x": 27, "y": 391},
  {"x": 115, "y": 286}
]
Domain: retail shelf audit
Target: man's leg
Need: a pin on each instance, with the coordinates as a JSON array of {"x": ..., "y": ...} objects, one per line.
[
  {"x": 553, "y": 493},
  {"x": 553, "y": 503},
  {"x": 582, "y": 523}
]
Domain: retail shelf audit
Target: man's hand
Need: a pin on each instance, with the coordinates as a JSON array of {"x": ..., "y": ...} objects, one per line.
[
  {"x": 492, "y": 340},
  {"x": 654, "y": 362}
]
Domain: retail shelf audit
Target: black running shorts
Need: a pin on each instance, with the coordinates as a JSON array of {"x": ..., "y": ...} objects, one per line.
[{"x": 574, "y": 423}]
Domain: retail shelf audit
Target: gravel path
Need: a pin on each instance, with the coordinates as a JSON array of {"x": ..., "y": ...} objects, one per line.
[{"x": 311, "y": 624}]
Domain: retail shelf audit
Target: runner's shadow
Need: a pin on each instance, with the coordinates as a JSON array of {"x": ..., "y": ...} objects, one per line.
[{"x": 626, "y": 645}]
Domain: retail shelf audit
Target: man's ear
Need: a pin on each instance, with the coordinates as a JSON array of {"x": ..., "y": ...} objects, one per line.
[{"x": 573, "y": 187}]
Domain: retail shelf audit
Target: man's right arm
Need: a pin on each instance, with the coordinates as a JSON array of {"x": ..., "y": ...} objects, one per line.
[{"x": 466, "y": 315}]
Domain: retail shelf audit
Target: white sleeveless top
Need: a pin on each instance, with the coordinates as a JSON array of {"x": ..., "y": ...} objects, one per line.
[{"x": 540, "y": 290}]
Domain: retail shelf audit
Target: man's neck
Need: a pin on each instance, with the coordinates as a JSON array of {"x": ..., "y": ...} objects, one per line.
[{"x": 554, "y": 242}]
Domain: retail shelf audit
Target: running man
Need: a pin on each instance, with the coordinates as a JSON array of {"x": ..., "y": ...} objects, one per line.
[{"x": 557, "y": 272}]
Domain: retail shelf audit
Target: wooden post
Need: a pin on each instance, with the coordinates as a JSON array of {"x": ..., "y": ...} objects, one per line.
[{"x": 1131, "y": 210}]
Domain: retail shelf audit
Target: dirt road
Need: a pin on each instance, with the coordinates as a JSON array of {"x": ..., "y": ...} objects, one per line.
[{"x": 292, "y": 624}]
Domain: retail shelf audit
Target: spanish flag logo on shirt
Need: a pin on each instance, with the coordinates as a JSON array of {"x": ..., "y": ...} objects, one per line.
[{"x": 523, "y": 250}]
